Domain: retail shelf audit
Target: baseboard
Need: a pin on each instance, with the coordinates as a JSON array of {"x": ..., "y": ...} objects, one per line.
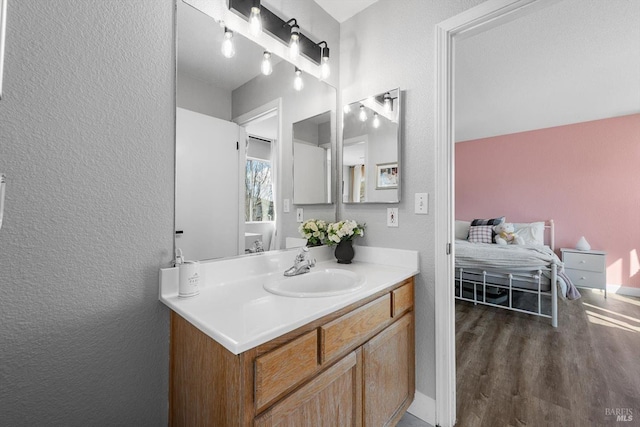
[
  {"x": 624, "y": 290},
  {"x": 424, "y": 408}
]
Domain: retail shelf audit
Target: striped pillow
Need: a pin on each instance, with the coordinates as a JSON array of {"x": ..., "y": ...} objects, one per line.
[
  {"x": 492, "y": 221},
  {"x": 481, "y": 234}
]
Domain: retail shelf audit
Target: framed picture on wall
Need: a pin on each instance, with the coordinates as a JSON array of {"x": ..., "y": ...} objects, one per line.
[{"x": 386, "y": 176}]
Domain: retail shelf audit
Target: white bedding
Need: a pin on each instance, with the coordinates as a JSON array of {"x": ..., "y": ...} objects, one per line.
[
  {"x": 513, "y": 258},
  {"x": 504, "y": 257}
]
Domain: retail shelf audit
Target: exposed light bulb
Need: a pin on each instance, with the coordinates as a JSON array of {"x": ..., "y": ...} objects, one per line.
[
  {"x": 266, "y": 66},
  {"x": 346, "y": 109},
  {"x": 255, "y": 20},
  {"x": 388, "y": 102},
  {"x": 298, "y": 84},
  {"x": 294, "y": 42},
  {"x": 228, "y": 49},
  {"x": 376, "y": 120},
  {"x": 363, "y": 114},
  {"x": 325, "y": 69}
]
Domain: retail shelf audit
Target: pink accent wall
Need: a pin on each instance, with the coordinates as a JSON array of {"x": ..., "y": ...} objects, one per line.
[{"x": 585, "y": 176}]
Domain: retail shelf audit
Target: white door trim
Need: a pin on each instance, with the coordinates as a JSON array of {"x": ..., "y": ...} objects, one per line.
[
  {"x": 243, "y": 120},
  {"x": 473, "y": 21}
]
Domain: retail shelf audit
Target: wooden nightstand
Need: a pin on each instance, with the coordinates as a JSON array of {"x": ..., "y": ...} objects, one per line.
[{"x": 586, "y": 269}]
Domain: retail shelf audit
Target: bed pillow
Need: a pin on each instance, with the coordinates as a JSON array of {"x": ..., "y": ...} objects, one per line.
[
  {"x": 462, "y": 229},
  {"x": 481, "y": 234},
  {"x": 492, "y": 221},
  {"x": 532, "y": 233}
]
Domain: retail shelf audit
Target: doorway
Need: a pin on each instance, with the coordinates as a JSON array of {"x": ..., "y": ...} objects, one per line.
[
  {"x": 473, "y": 21},
  {"x": 259, "y": 160}
]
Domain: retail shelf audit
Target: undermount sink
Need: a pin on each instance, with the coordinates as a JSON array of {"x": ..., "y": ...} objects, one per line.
[{"x": 327, "y": 282}]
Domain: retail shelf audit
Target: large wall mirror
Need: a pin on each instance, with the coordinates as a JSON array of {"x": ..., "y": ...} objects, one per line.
[
  {"x": 371, "y": 149},
  {"x": 235, "y": 150}
]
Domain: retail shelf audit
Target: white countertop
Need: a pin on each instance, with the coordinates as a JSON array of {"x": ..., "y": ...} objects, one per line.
[{"x": 234, "y": 309}]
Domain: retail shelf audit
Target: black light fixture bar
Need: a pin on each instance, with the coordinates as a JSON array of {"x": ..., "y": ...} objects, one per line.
[{"x": 278, "y": 28}]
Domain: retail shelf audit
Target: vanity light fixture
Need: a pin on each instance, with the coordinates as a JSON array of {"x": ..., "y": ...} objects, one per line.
[
  {"x": 255, "y": 20},
  {"x": 280, "y": 29},
  {"x": 294, "y": 40},
  {"x": 298, "y": 84},
  {"x": 363, "y": 114},
  {"x": 228, "y": 49},
  {"x": 325, "y": 68},
  {"x": 376, "y": 120},
  {"x": 266, "y": 66},
  {"x": 346, "y": 109},
  {"x": 388, "y": 102}
]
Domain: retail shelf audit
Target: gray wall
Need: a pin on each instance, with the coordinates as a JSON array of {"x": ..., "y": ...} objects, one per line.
[
  {"x": 201, "y": 97},
  {"x": 86, "y": 141},
  {"x": 389, "y": 45}
]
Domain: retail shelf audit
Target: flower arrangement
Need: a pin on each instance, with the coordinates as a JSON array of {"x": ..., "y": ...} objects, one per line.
[
  {"x": 342, "y": 231},
  {"x": 314, "y": 230}
]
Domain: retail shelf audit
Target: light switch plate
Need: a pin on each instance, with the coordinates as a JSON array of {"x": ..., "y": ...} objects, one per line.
[
  {"x": 392, "y": 217},
  {"x": 299, "y": 215},
  {"x": 422, "y": 203},
  {"x": 286, "y": 207}
]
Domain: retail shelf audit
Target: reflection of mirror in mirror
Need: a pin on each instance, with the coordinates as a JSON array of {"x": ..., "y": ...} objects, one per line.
[
  {"x": 371, "y": 149},
  {"x": 312, "y": 143},
  {"x": 233, "y": 140}
]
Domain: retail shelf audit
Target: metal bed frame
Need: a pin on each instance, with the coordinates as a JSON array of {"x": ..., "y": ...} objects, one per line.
[{"x": 480, "y": 280}]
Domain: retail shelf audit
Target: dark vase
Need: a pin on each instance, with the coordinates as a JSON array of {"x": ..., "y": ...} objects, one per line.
[{"x": 344, "y": 252}]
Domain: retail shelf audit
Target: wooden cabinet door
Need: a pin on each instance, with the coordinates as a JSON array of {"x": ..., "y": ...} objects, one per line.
[
  {"x": 330, "y": 399},
  {"x": 388, "y": 371}
]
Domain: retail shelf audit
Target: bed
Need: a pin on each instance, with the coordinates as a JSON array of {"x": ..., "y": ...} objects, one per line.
[{"x": 512, "y": 277}]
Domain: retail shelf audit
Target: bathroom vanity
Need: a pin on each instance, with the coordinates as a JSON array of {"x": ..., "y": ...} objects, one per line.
[{"x": 241, "y": 356}]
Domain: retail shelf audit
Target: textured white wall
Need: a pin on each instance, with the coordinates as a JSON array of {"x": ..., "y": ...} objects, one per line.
[
  {"x": 389, "y": 45},
  {"x": 86, "y": 140}
]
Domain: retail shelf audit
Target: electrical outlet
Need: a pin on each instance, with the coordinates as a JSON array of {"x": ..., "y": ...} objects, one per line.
[
  {"x": 422, "y": 203},
  {"x": 286, "y": 207},
  {"x": 392, "y": 217},
  {"x": 299, "y": 215}
]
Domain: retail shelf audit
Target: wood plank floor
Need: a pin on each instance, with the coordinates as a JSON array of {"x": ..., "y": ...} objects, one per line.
[{"x": 516, "y": 370}]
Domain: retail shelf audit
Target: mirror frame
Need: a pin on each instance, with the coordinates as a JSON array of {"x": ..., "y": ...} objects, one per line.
[{"x": 399, "y": 145}]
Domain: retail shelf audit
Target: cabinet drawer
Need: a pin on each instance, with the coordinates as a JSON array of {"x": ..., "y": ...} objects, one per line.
[
  {"x": 578, "y": 261},
  {"x": 402, "y": 300},
  {"x": 285, "y": 367},
  {"x": 584, "y": 278},
  {"x": 354, "y": 328},
  {"x": 329, "y": 399}
]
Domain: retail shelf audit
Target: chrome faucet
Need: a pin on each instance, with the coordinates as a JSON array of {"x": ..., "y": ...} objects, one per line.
[{"x": 302, "y": 263}]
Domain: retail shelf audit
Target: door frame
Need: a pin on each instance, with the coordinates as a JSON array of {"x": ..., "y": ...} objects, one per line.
[
  {"x": 466, "y": 24},
  {"x": 244, "y": 120}
]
